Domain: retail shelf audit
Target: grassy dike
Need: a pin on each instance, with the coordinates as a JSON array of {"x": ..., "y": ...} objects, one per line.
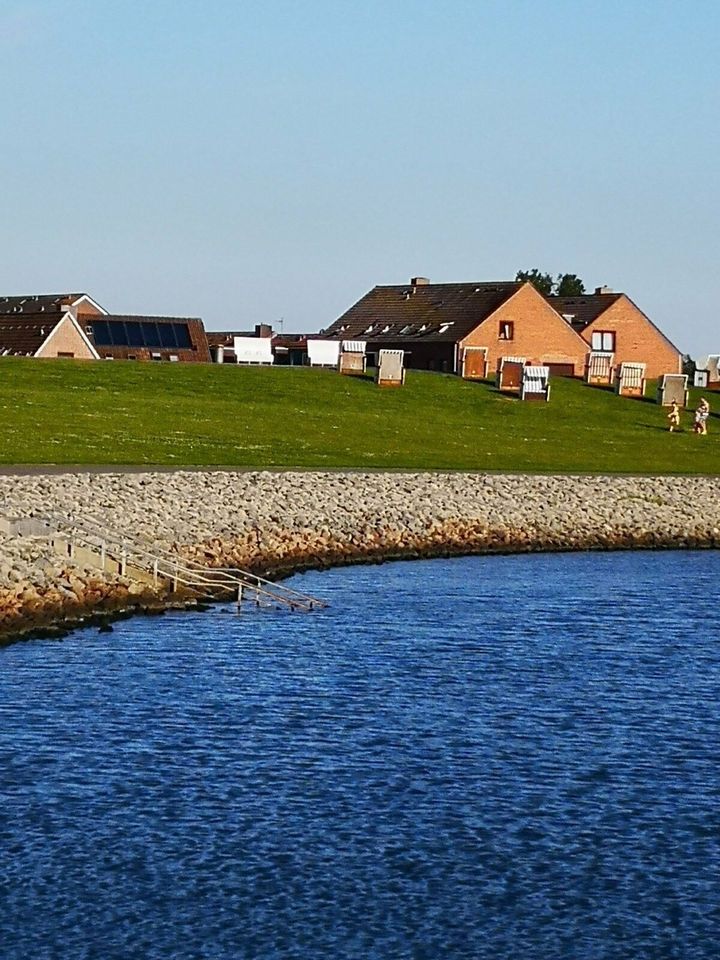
[{"x": 68, "y": 412}]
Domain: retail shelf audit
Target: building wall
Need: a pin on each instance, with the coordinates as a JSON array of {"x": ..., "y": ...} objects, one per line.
[
  {"x": 539, "y": 334},
  {"x": 636, "y": 339},
  {"x": 66, "y": 339},
  {"x": 419, "y": 355}
]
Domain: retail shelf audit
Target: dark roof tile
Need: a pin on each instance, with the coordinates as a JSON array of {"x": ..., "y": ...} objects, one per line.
[
  {"x": 23, "y": 334},
  {"x": 43, "y": 303},
  {"x": 583, "y": 309},
  {"x": 434, "y": 311}
]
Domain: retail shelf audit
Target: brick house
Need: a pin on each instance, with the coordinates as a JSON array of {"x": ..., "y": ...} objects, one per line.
[
  {"x": 47, "y": 326},
  {"x": 448, "y": 326},
  {"x": 610, "y": 322},
  {"x": 76, "y": 326},
  {"x": 436, "y": 323}
]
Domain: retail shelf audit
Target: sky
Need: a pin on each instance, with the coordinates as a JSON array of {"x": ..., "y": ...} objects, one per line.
[{"x": 250, "y": 162}]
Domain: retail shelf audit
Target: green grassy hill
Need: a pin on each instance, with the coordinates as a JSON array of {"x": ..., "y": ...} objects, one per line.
[{"x": 68, "y": 412}]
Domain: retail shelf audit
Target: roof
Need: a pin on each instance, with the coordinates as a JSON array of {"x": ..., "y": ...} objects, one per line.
[
  {"x": 432, "y": 311},
  {"x": 583, "y": 309},
  {"x": 46, "y": 302},
  {"x": 23, "y": 334}
]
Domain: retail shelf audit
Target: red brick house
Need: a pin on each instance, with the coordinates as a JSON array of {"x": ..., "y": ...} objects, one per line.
[
  {"x": 612, "y": 323},
  {"x": 436, "y": 323},
  {"x": 466, "y": 328},
  {"x": 76, "y": 326}
]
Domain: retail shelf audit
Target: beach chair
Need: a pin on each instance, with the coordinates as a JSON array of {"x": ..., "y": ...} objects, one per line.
[
  {"x": 599, "y": 368},
  {"x": 474, "y": 363},
  {"x": 390, "y": 368},
  {"x": 353, "y": 360},
  {"x": 713, "y": 371},
  {"x": 509, "y": 376},
  {"x": 672, "y": 388},
  {"x": 535, "y": 383},
  {"x": 630, "y": 380}
]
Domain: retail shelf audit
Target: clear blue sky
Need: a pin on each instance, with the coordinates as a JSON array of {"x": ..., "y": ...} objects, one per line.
[{"x": 245, "y": 161}]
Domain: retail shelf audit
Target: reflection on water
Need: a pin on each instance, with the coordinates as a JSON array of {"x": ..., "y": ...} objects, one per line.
[{"x": 486, "y": 757}]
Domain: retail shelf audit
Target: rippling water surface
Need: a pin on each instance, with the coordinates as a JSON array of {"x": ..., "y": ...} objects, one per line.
[{"x": 487, "y": 757}]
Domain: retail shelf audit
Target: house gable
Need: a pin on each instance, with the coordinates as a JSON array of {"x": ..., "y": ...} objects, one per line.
[
  {"x": 526, "y": 325},
  {"x": 86, "y": 305},
  {"x": 67, "y": 338},
  {"x": 636, "y": 338}
]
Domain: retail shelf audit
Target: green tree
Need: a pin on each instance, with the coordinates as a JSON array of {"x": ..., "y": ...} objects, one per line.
[
  {"x": 541, "y": 281},
  {"x": 564, "y": 285},
  {"x": 569, "y": 285}
]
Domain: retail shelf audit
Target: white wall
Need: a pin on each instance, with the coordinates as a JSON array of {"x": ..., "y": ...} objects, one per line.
[
  {"x": 323, "y": 353},
  {"x": 253, "y": 349}
]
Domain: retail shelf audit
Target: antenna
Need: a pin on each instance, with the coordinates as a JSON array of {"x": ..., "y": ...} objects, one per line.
[{"x": 281, "y": 323}]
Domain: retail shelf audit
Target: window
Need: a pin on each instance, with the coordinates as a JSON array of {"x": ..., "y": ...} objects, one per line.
[
  {"x": 507, "y": 330},
  {"x": 604, "y": 340},
  {"x": 65, "y": 355}
]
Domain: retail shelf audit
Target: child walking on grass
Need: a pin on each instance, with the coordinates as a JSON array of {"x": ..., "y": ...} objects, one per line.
[
  {"x": 701, "y": 417},
  {"x": 674, "y": 416}
]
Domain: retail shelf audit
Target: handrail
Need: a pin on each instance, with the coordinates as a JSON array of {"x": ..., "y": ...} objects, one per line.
[{"x": 160, "y": 562}]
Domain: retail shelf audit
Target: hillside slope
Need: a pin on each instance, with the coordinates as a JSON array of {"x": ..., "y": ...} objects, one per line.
[{"x": 68, "y": 412}]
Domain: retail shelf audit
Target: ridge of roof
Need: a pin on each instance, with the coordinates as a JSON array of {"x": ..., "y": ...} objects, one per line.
[
  {"x": 30, "y": 302},
  {"x": 148, "y": 318}
]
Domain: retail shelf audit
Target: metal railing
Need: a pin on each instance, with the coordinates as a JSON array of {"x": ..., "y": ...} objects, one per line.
[{"x": 164, "y": 565}]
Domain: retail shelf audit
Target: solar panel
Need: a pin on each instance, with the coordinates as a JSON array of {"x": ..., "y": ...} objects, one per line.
[
  {"x": 118, "y": 336},
  {"x": 167, "y": 335},
  {"x": 182, "y": 335},
  {"x": 141, "y": 333},
  {"x": 150, "y": 334}
]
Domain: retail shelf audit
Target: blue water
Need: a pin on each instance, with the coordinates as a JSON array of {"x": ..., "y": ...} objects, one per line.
[{"x": 485, "y": 757}]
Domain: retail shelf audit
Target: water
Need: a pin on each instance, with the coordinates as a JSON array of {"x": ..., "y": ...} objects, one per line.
[{"x": 486, "y": 757}]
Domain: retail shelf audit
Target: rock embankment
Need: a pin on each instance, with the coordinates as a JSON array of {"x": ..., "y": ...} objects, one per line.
[{"x": 278, "y": 522}]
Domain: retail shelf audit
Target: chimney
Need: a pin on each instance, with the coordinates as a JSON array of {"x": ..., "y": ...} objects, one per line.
[
  {"x": 599, "y": 290},
  {"x": 263, "y": 330},
  {"x": 419, "y": 281}
]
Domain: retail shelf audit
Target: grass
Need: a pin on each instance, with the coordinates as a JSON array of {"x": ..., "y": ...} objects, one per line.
[{"x": 69, "y": 412}]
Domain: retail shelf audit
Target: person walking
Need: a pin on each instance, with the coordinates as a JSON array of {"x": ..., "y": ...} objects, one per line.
[
  {"x": 674, "y": 416},
  {"x": 701, "y": 417}
]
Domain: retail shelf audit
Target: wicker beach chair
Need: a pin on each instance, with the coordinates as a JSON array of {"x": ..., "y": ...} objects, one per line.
[
  {"x": 390, "y": 368},
  {"x": 474, "y": 363},
  {"x": 509, "y": 375},
  {"x": 535, "y": 383},
  {"x": 353, "y": 359},
  {"x": 599, "y": 368},
  {"x": 630, "y": 380},
  {"x": 672, "y": 388}
]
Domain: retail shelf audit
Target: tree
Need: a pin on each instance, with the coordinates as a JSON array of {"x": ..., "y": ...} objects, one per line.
[
  {"x": 565, "y": 284},
  {"x": 541, "y": 281},
  {"x": 569, "y": 285}
]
